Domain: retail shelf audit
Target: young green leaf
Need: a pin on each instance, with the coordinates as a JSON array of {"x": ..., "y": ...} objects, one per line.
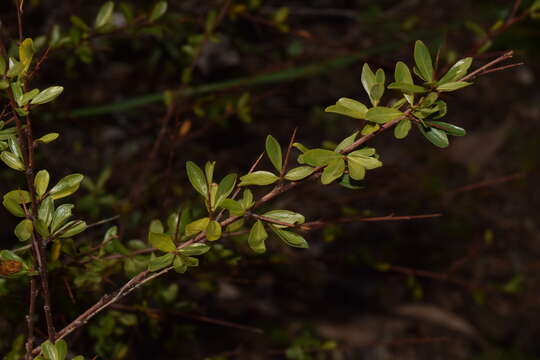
[
  {"x": 435, "y": 136},
  {"x": 179, "y": 264},
  {"x": 406, "y": 88},
  {"x": 26, "y": 97},
  {"x": 234, "y": 207},
  {"x": 402, "y": 129},
  {"x": 318, "y": 157},
  {"x": 195, "y": 249},
  {"x": 213, "y": 231},
  {"x": 457, "y": 71},
  {"x": 258, "y": 178},
  {"x": 12, "y": 161},
  {"x": 290, "y": 238},
  {"x": 273, "y": 151},
  {"x": 60, "y": 216},
  {"x": 61, "y": 347},
  {"x": 225, "y": 188},
  {"x": 382, "y": 114},
  {"x": 197, "y": 226},
  {"x": 19, "y": 196},
  {"x": 247, "y": 199},
  {"x": 334, "y": 170},
  {"x": 47, "y": 138},
  {"x": 356, "y": 170},
  {"x": 161, "y": 262},
  {"x": 299, "y": 173},
  {"x": 14, "y": 208},
  {"x": 369, "y": 129},
  {"x": 346, "y": 142},
  {"x": 422, "y": 58},
  {"x": 15, "y": 68},
  {"x": 348, "y": 107},
  {"x": 285, "y": 216},
  {"x": 72, "y": 228},
  {"x": 161, "y": 241},
  {"x": 23, "y": 230},
  {"x": 368, "y": 79},
  {"x": 46, "y": 210},
  {"x": 41, "y": 228},
  {"x": 41, "y": 182},
  {"x": 156, "y": 226},
  {"x": 159, "y": 9},
  {"x": 257, "y": 236},
  {"x": 47, "y": 95},
  {"x": 104, "y": 15},
  {"x": 66, "y": 186},
  {"x": 209, "y": 171},
  {"x": 453, "y": 86},
  {"x": 50, "y": 351},
  {"x": 197, "y": 179}
]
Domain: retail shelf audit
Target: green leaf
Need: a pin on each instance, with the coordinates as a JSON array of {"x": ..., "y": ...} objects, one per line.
[
  {"x": 159, "y": 9},
  {"x": 104, "y": 15},
  {"x": 14, "y": 147},
  {"x": 161, "y": 262},
  {"x": 73, "y": 228},
  {"x": 60, "y": 216},
  {"x": 26, "y": 51},
  {"x": 23, "y": 230},
  {"x": 258, "y": 178},
  {"x": 197, "y": 179},
  {"x": 15, "y": 68},
  {"x": 66, "y": 186},
  {"x": 407, "y": 88},
  {"x": 19, "y": 196},
  {"x": 318, "y": 157},
  {"x": 50, "y": 351},
  {"x": 369, "y": 129},
  {"x": 356, "y": 170},
  {"x": 12, "y": 161},
  {"x": 209, "y": 171},
  {"x": 2, "y": 66},
  {"x": 46, "y": 210},
  {"x": 286, "y": 216},
  {"x": 366, "y": 161},
  {"x": 346, "y": 142},
  {"x": 348, "y": 107},
  {"x": 273, "y": 151},
  {"x": 156, "y": 226},
  {"x": 235, "y": 208},
  {"x": 402, "y": 74},
  {"x": 213, "y": 231},
  {"x": 452, "y": 86},
  {"x": 257, "y": 236},
  {"x": 26, "y": 97},
  {"x": 161, "y": 241},
  {"x": 450, "y": 129},
  {"x": 402, "y": 129},
  {"x": 41, "y": 228},
  {"x": 225, "y": 188},
  {"x": 247, "y": 199},
  {"x": 368, "y": 80},
  {"x": 435, "y": 136},
  {"x": 197, "y": 226},
  {"x": 422, "y": 58},
  {"x": 47, "y": 138},
  {"x": 41, "y": 182},
  {"x": 333, "y": 171},
  {"x": 47, "y": 95},
  {"x": 195, "y": 249},
  {"x": 290, "y": 238},
  {"x": 61, "y": 347},
  {"x": 382, "y": 114},
  {"x": 179, "y": 264},
  {"x": 14, "y": 208},
  {"x": 457, "y": 71},
  {"x": 79, "y": 23},
  {"x": 299, "y": 173}
]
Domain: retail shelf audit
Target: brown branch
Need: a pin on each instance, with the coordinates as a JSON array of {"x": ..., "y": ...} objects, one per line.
[
  {"x": 288, "y": 153},
  {"x": 30, "y": 318},
  {"x": 480, "y": 70},
  {"x": 309, "y": 226}
]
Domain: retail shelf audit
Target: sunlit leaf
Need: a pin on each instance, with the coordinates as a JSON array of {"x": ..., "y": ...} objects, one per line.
[
  {"x": 452, "y": 86},
  {"x": 299, "y": 173},
  {"x": 382, "y": 114},
  {"x": 66, "y": 186},
  {"x": 402, "y": 129},
  {"x": 213, "y": 231},
  {"x": 47, "y": 95},
  {"x": 257, "y": 236},
  {"x": 23, "y": 230},
  {"x": 195, "y": 249},
  {"x": 258, "y": 178},
  {"x": 457, "y": 71},
  {"x": 333, "y": 171},
  {"x": 161, "y": 241},
  {"x": 104, "y": 15},
  {"x": 197, "y": 179},
  {"x": 422, "y": 58},
  {"x": 290, "y": 238},
  {"x": 273, "y": 151}
]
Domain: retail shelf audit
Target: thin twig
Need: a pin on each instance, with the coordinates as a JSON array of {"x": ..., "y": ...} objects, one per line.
[{"x": 30, "y": 318}]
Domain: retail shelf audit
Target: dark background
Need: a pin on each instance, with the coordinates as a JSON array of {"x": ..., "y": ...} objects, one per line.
[{"x": 460, "y": 286}]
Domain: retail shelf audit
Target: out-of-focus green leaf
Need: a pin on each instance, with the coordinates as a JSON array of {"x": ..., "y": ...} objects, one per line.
[
  {"x": 179, "y": 264},
  {"x": 47, "y": 138},
  {"x": 104, "y": 15},
  {"x": 402, "y": 129},
  {"x": 47, "y": 95},
  {"x": 406, "y": 88},
  {"x": 66, "y": 186},
  {"x": 197, "y": 226},
  {"x": 273, "y": 151},
  {"x": 334, "y": 170},
  {"x": 23, "y": 230},
  {"x": 258, "y": 178},
  {"x": 197, "y": 179},
  {"x": 73, "y": 228},
  {"x": 382, "y": 114},
  {"x": 158, "y": 11},
  {"x": 422, "y": 58},
  {"x": 257, "y": 236}
]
